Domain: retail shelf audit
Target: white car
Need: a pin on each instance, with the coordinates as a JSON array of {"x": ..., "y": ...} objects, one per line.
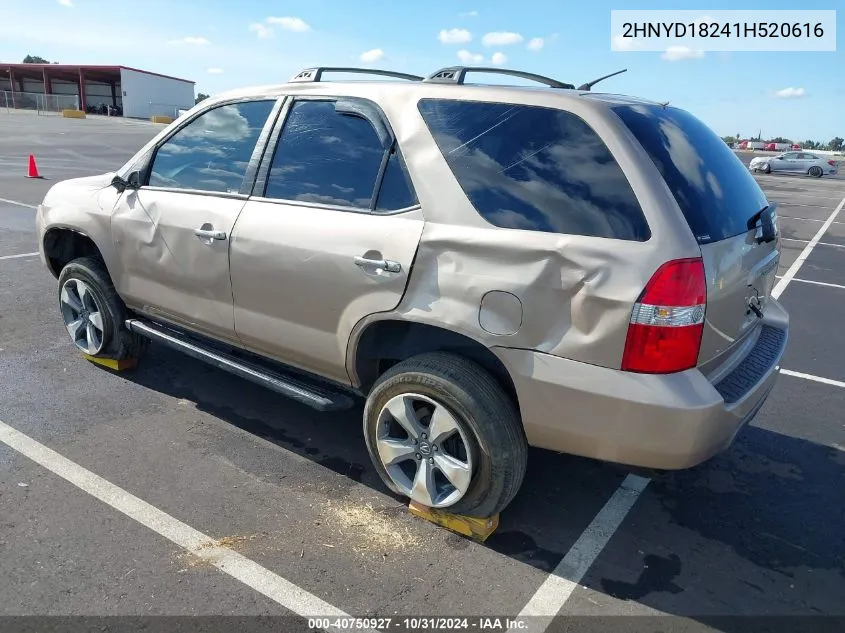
[{"x": 794, "y": 162}]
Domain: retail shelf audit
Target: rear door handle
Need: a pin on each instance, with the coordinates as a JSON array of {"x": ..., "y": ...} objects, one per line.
[
  {"x": 210, "y": 234},
  {"x": 379, "y": 264}
]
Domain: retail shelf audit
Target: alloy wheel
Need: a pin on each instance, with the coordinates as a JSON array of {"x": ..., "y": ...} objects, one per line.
[
  {"x": 424, "y": 449},
  {"x": 82, "y": 315}
]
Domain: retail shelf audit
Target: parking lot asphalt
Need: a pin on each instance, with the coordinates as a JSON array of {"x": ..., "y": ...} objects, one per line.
[{"x": 757, "y": 531}]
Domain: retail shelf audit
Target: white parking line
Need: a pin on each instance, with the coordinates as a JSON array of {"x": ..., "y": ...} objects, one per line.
[
  {"x": 826, "y": 381},
  {"x": 796, "y": 265},
  {"x": 793, "y": 239},
  {"x": 801, "y": 194},
  {"x": 226, "y": 560},
  {"x": 20, "y": 204},
  {"x": 553, "y": 594},
  {"x": 792, "y": 217},
  {"x": 558, "y": 587},
  {"x": 817, "y": 283},
  {"x": 19, "y": 256}
]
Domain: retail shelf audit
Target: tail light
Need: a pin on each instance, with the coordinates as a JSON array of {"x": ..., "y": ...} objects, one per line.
[
  {"x": 667, "y": 322},
  {"x": 832, "y": 163}
]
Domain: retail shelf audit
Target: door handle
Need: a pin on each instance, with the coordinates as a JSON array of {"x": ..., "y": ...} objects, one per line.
[
  {"x": 379, "y": 264},
  {"x": 210, "y": 234}
]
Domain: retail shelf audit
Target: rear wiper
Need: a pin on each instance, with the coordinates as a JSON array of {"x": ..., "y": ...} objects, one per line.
[{"x": 766, "y": 217}]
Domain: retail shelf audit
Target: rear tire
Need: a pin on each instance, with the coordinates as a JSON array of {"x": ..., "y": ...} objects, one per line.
[
  {"x": 486, "y": 422},
  {"x": 815, "y": 171},
  {"x": 94, "y": 314}
]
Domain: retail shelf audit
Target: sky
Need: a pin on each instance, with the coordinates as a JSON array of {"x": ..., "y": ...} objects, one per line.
[{"x": 222, "y": 44}]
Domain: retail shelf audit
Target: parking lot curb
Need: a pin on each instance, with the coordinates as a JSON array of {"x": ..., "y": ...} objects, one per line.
[
  {"x": 473, "y": 527},
  {"x": 111, "y": 363}
]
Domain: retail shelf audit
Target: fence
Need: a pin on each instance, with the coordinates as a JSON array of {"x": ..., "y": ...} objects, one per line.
[{"x": 40, "y": 103}]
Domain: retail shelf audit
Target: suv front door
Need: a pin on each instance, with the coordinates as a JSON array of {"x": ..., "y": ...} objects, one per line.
[
  {"x": 328, "y": 238},
  {"x": 172, "y": 234}
]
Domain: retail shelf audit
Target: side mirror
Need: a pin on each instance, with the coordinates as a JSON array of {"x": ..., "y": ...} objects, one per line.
[{"x": 133, "y": 181}]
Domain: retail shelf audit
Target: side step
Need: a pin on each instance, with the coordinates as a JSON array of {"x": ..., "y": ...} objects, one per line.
[{"x": 322, "y": 398}]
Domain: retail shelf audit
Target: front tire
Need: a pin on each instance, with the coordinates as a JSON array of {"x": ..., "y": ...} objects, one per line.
[
  {"x": 440, "y": 430},
  {"x": 94, "y": 314}
]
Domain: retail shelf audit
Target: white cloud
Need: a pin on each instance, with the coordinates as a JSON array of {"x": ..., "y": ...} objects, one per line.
[
  {"x": 65, "y": 3},
  {"x": 536, "y": 43},
  {"x": 790, "y": 93},
  {"x": 622, "y": 43},
  {"x": 499, "y": 59},
  {"x": 374, "y": 55},
  {"x": 195, "y": 41},
  {"x": 214, "y": 71},
  {"x": 677, "y": 53},
  {"x": 469, "y": 14},
  {"x": 260, "y": 30},
  {"x": 501, "y": 38},
  {"x": 470, "y": 58},
  {"x": 454, "y": 36},
  {"x": 290, "y": 24}
]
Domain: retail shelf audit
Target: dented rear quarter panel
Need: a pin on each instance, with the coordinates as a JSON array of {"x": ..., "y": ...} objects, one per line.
[{"x": 576, "y": 292}]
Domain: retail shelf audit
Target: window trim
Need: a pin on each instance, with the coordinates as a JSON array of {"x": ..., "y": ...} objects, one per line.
[
  {"x": 252, "y": 166},
  {"x": 371, "y": 109}
]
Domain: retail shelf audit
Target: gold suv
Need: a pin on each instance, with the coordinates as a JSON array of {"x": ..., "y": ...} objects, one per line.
[{"x": 489, "y": 267}]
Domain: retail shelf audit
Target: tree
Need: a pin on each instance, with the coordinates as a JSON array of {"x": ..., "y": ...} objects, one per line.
[
  {"x": 34, "y": 59},
  {"x": 808, "y": 144},
  {"x": 836, "y": 144},
  {"x": 200, "y": 97}
]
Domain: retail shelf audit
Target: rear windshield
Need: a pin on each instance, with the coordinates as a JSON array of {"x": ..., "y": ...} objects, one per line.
[{"x": 715, "y": 191}]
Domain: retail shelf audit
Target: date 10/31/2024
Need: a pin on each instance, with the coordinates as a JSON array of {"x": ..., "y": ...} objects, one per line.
[{"x": 423, "y": 623}]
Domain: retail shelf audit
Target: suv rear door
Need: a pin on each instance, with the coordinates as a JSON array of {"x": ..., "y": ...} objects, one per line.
[
  {"x": 718, "y": 197},
  {"x": 328, "y": 236}
]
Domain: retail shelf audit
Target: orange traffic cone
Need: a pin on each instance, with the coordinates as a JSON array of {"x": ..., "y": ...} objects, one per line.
[{"x": 32, "y": 171}]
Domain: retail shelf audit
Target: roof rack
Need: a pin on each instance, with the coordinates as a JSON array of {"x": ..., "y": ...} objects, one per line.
[
  {"x": 456, "y": 75},
  {"x": 316, "y": 74}
]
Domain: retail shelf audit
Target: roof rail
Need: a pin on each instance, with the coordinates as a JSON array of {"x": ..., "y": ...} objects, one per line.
[
  {"x": 316, "y": 74},
  {"x": 456, "y": 75},
  {"x": 592, "y": 83}
]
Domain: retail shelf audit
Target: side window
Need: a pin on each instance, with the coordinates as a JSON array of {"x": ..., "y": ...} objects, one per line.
[
  {"x": 396, "y": 191},
  {"x": 325, "y": 157},
  {"x": 211, "y": 153},
  {"x": 535, "y": 168}
]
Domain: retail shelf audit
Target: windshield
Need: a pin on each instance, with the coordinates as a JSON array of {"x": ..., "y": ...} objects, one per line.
[{"x": 714, "y": 190}]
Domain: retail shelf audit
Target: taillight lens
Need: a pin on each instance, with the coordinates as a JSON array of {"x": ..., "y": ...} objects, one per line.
[
  {"x": 667, "y": 322},
  {"x": 832, "y": 163}
]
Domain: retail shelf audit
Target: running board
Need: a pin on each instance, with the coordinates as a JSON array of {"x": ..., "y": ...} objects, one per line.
[{"x": 319, "y": 397}]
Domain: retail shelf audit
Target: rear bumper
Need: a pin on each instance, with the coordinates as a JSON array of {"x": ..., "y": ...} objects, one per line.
[{"x": 668, "y": 422}]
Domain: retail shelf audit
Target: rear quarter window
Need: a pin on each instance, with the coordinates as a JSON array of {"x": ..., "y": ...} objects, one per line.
[
  {"x": 535, "y": 168},
  {"x": 715, "y": 191}
]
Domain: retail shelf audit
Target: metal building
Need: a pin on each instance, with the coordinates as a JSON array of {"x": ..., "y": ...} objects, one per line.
[{"x": 136, "y": 93}]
